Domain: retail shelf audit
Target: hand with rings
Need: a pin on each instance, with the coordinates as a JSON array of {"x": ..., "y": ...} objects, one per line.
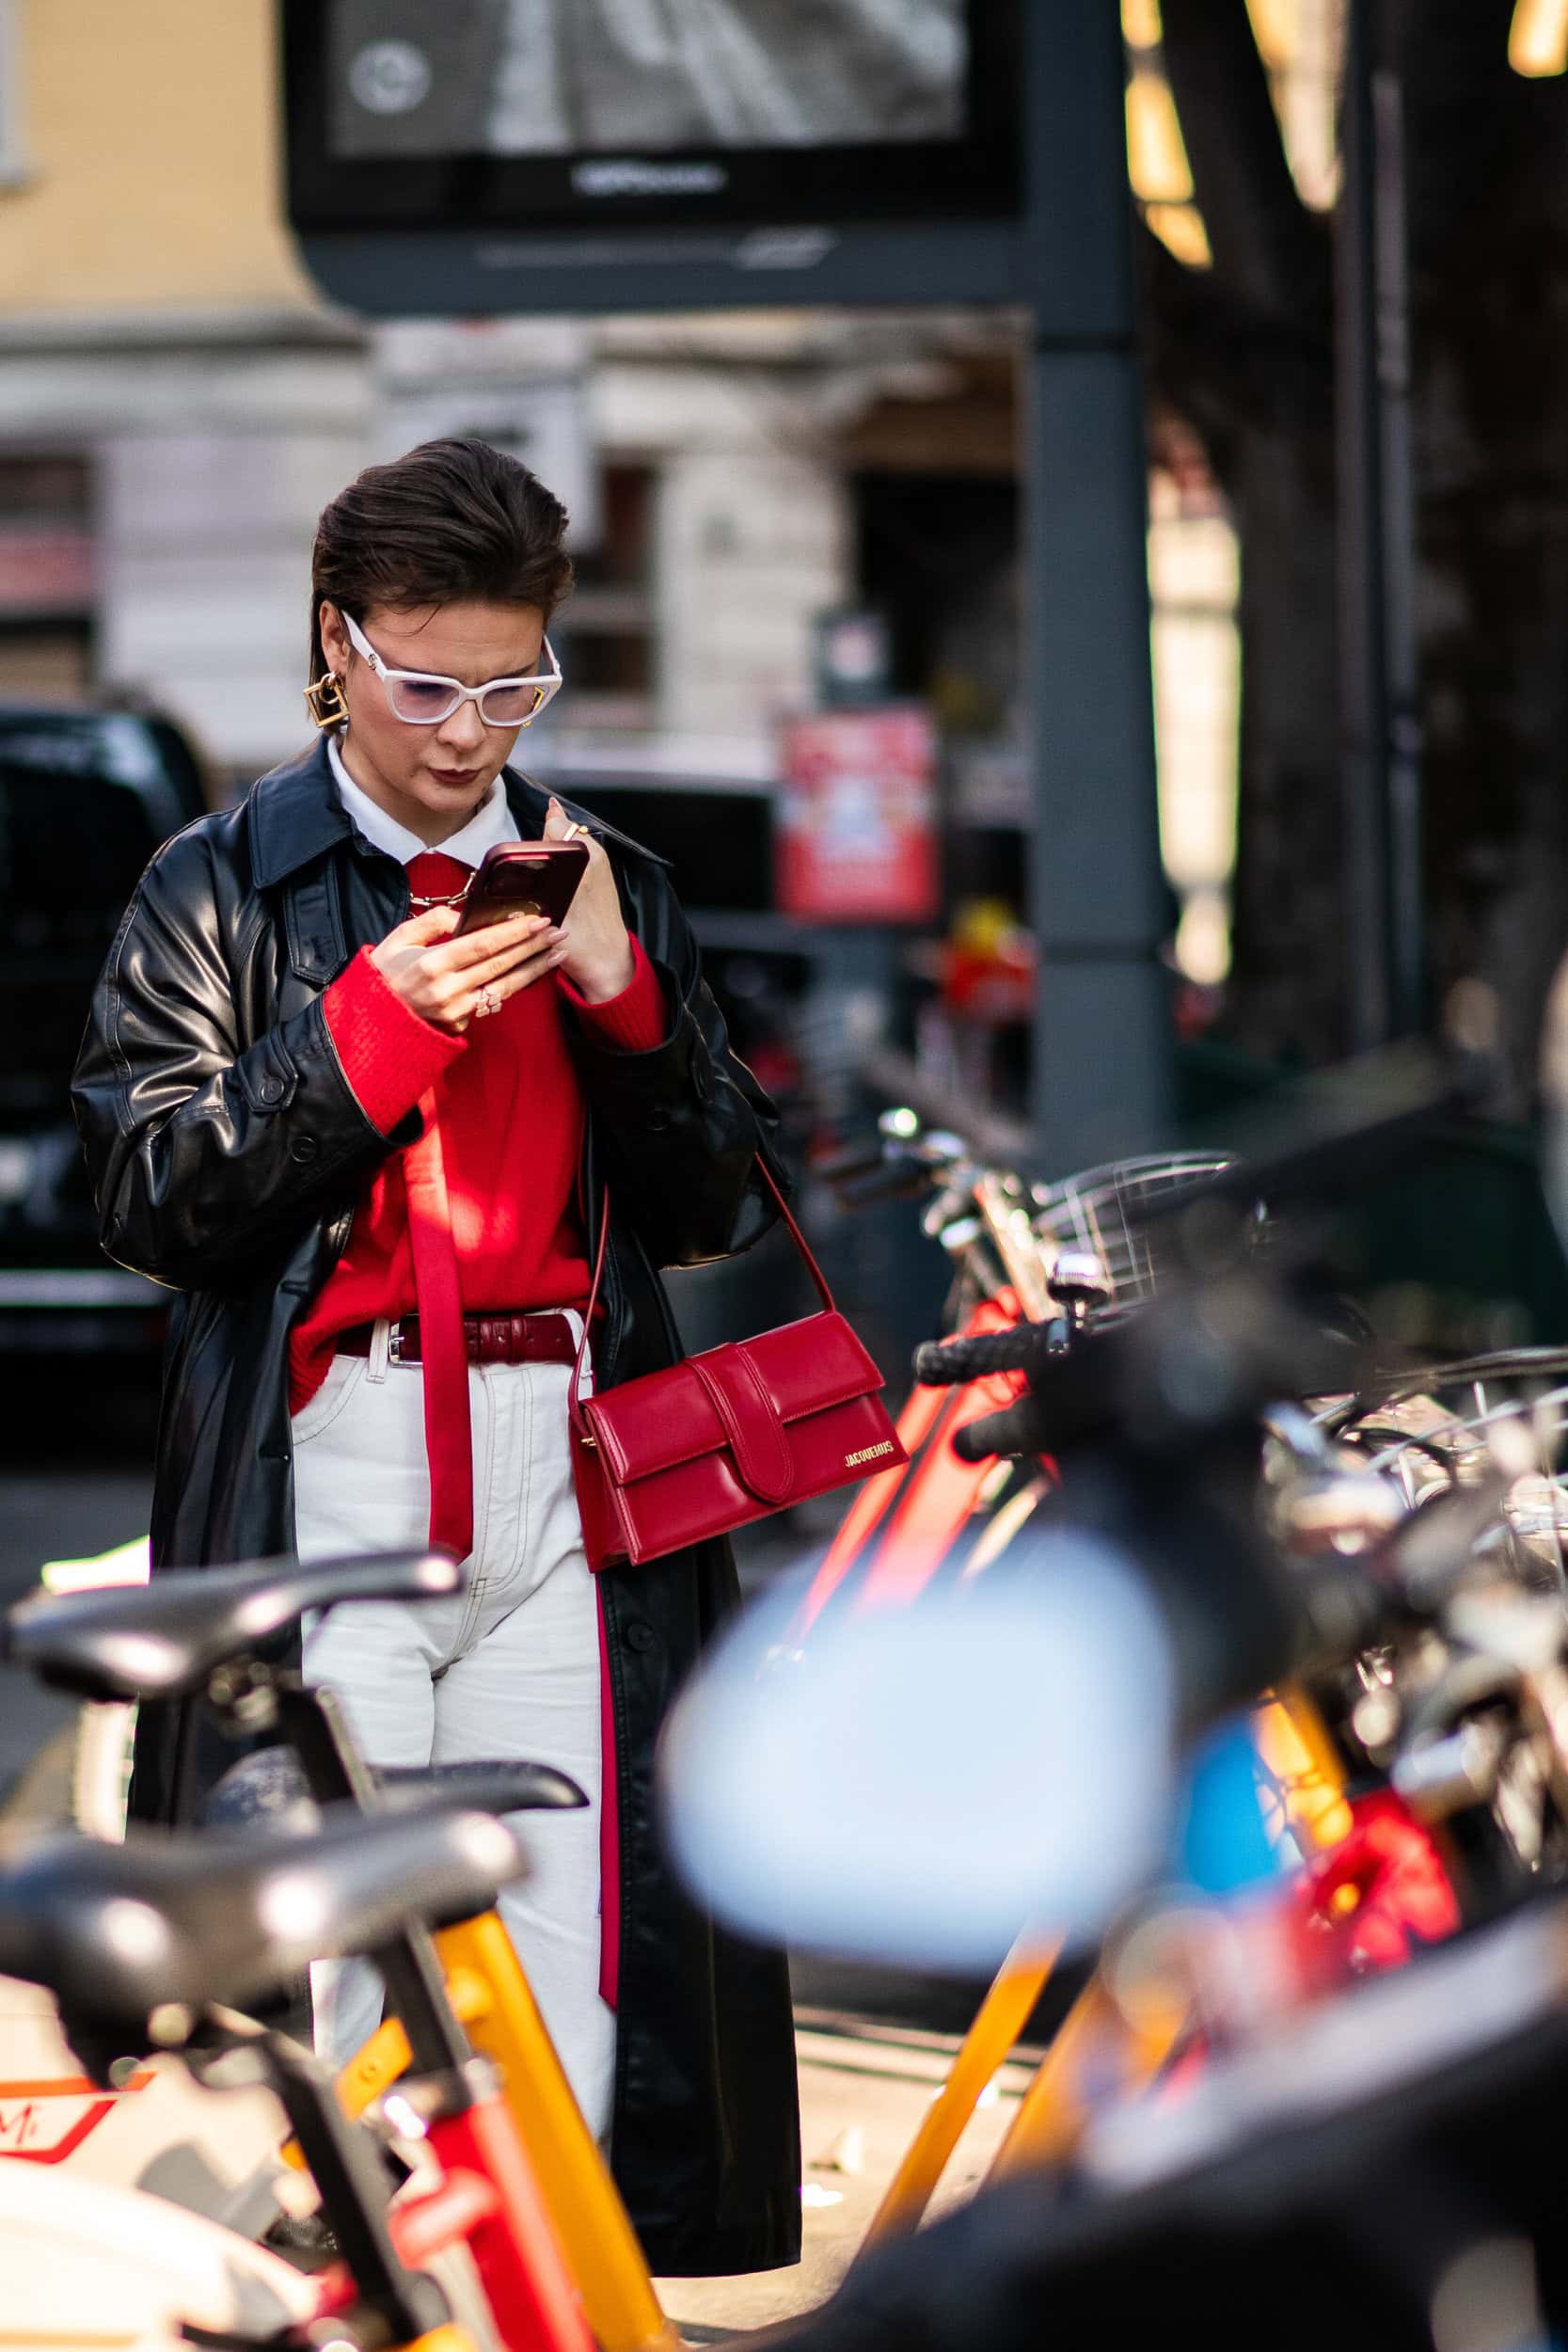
[
  {"x": 450, "y": 981},
  {"x": 599, "y": 961}
]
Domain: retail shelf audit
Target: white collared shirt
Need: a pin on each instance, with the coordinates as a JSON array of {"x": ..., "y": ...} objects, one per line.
[{"x": 492, "y": 822}]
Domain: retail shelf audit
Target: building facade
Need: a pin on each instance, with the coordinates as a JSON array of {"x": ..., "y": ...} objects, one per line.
[{"x": 176, "y": 404}]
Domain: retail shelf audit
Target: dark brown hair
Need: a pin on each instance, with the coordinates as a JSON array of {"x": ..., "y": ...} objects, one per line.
[{"x": 451, "y": 522}]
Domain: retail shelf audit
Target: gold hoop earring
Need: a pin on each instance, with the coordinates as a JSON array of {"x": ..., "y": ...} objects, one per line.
[{"x": 324, "y": 701}]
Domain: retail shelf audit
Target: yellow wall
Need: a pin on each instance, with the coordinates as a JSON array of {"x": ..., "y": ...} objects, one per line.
[{"x": 152, "y": 177}]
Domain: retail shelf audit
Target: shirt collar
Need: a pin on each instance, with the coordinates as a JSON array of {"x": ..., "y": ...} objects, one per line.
[{"x": 492, "y": 822}]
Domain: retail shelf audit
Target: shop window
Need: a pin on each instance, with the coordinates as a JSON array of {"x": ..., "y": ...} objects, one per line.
[{"x": 608, "y": 626}]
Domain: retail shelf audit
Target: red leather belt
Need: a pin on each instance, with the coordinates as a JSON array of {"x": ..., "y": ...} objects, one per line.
[{"x": 495, "y": 1339}]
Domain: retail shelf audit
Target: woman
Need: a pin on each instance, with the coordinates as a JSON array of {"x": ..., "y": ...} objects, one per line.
[{"x": 371, "y": 1157}]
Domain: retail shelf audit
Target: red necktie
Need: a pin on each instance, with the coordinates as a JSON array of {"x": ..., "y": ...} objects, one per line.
[{"x": 443, "y": 1345}]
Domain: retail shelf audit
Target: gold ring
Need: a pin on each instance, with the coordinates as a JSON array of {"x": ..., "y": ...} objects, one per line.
[{"x": 575, "y": 833}]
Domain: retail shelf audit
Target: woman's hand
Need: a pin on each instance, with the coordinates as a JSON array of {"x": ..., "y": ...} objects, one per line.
[
  {"x": 598, "y": 960},
  {"x": 441, "y": 979}
]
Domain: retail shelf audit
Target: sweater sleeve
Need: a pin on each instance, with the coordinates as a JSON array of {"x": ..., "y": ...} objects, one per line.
[
  {"x": 635, "y": 1021},
  {"x": 390, "y": 1058}
]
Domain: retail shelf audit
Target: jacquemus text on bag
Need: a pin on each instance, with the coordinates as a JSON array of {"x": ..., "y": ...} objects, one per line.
[{"x": 725, "y": 1438}]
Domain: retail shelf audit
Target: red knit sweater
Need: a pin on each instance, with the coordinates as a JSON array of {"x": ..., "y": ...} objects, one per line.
[{"x": 510, "y": 1115}]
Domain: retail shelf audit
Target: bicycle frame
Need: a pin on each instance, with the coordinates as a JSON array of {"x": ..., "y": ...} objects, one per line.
[
  {"x": 998, "y": 2022},
  {"x": 895, "y": 1539},
  {"x": 914, "y": 1514},
  {"x": 87, "y": 2265},
  {"x": 457, "y": 2097},
  {"x": 891, "y": 1544},
  {"x": 491, "y": 1996},
  {"x": 1055, "y": 2106}
]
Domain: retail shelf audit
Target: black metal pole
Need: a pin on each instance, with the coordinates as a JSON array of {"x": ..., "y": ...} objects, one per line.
[
  {"x": 1363, "y": 723},
  {"x": 1380, "y": 742},
  {"x": 1103, "y": 1055},
  {"x": 1403, "y": 723}
]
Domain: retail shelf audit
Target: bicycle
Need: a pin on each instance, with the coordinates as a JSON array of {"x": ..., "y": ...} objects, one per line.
[
  {"x": 1292, "y": 2155},
  {"x": 1032, "y": 1263},
  {"x": 1064, "y": 1256},
  {"x": 1338, "y": 1839},
  {"x": 150, "y": 1944},
  {"x": 195, "y": 1632}
]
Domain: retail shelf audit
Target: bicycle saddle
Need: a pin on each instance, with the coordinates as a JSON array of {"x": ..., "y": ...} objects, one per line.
[
  {"x": 161, "y": 1640},
  {"x": 269, "y": 1790},
  {"x": 117, "y": 1933}
]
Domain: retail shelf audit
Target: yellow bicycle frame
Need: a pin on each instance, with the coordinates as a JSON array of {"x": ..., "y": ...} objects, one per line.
[
  {"x": 1300, "y": 1756},
  {"x": 998, "y": 2022},
  {"x": 495, "y": 2003}
]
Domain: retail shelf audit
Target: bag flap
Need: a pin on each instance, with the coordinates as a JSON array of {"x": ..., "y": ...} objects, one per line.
[
  {"x": 758, "y": 1444},
  {"x": 668, "y": 1417}
]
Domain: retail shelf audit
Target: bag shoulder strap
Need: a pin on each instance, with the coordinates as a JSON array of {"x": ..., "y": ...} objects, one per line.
[{"x": 818, "y": 1278}]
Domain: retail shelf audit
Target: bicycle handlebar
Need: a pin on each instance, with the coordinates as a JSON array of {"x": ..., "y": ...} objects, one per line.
[
  {"x": 1017, "y": 1428},
  {"x": 856, "y": 1160},
  {"x": 948, "y": 1363},
  {"x": 895, "y": 1180}
]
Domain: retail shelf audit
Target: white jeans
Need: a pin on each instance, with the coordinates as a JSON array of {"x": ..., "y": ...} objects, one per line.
[{"x": 508, "y": 1669}]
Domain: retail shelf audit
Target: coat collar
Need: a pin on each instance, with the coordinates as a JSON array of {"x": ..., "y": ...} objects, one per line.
[{"x": 295, "y": 815}]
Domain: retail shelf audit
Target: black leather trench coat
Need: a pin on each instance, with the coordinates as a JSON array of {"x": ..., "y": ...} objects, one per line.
[{"x": 226, "y": 1151}]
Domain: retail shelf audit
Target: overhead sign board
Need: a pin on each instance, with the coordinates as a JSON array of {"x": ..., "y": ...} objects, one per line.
[{"x": 595, "y": 154}]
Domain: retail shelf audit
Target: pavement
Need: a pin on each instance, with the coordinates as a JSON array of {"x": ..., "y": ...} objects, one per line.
[{"x": 864, "y": 2088}]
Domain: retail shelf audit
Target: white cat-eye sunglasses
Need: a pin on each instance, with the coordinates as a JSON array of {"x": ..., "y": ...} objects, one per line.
[{"x": 422, "y": 700}]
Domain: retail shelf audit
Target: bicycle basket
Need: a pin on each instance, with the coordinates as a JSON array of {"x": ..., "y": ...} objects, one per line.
[
  {"x": 1103, "y": 1209},
  {"x": 1429, "y": 1429}
]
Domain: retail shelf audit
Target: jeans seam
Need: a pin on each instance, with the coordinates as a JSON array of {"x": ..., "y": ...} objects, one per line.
[
  {"x": 525, "y": 1482},
  {"x": 477, "y": 1577}
]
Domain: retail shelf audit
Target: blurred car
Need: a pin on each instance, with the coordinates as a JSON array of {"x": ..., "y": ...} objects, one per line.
[{"x": 85, "y": 797}]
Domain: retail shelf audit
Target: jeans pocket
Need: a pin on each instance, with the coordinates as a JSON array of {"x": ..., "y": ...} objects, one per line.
[{"x": 318, "y": 1412}]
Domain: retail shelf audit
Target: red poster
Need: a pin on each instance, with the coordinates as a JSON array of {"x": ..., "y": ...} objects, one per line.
[{"x": 857, "y": 830}]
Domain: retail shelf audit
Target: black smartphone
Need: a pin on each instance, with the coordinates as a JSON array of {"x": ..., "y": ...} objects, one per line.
[{"x": 523, "y": 878}]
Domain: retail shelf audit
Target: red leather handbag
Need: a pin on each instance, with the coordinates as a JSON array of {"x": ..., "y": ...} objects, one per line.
[{"x": 724, "y": 1438}]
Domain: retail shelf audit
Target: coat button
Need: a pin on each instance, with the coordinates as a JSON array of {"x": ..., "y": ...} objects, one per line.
[
  {"x": 271, "y": 1090},
  {"x": 640, "y": 1636},
  {"x": 657, "y": 1122},
  {"x": 304, "y": 1149}
]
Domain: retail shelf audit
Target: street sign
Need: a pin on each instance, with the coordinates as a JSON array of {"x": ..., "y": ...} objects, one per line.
[{"x": 857, "y": 839}]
